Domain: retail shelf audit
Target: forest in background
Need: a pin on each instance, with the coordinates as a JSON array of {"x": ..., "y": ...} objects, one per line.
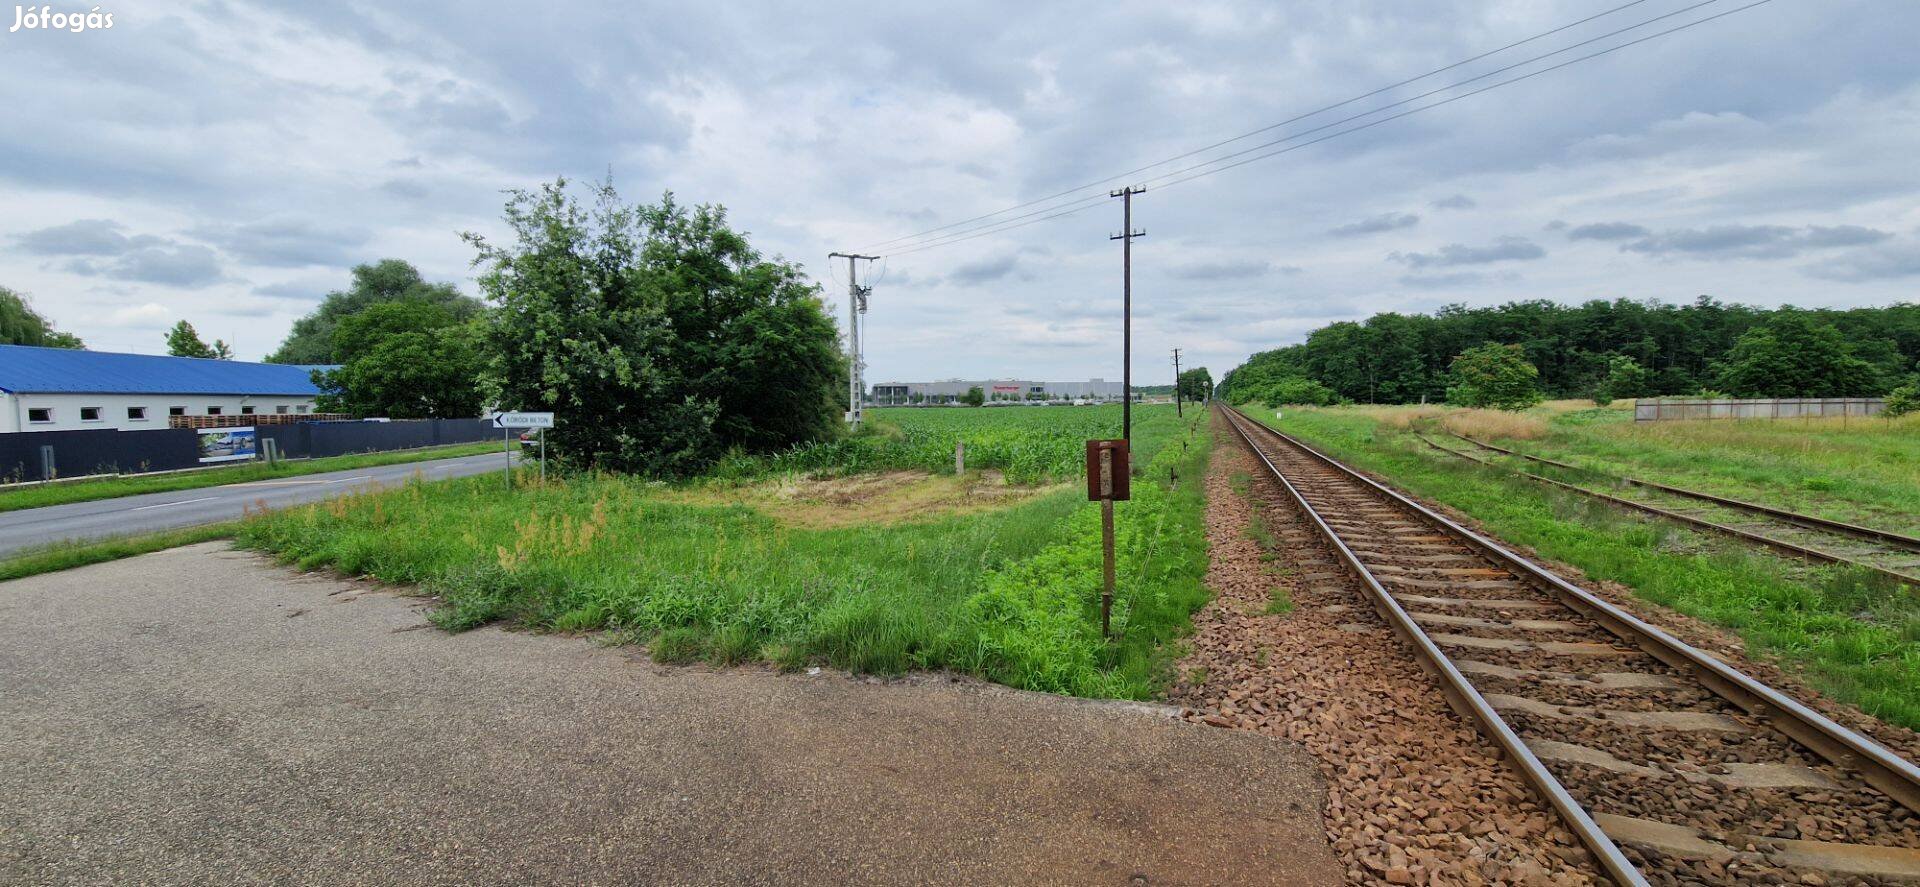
[{"x": 1706, "y": 346}]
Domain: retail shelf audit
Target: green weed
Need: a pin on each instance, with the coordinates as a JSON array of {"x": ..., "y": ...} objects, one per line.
[{"x": 1010, "y": 594}]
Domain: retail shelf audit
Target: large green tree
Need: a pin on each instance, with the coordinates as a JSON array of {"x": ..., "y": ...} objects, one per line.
[
  {"x": 410, "y": 359},
  {"x": 657, "y": 332},
  {"x": 21, "y": 325},
  {"x": 184, "y": 341},
  {"x": 1497, "y": 376},
  {"x": 1195, "y": 384},
  {"x": 1625, "y": 378},
  {"x": 388, "y": 280},
  {"x": 1794, "y": 354}
]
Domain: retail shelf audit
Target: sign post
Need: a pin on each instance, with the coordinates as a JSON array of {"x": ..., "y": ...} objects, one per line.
[
  {"x": 1109, "y": 480},
  {"x": 507, "y": 422}
]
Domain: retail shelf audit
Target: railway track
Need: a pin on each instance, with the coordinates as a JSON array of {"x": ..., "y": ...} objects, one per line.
[
  {"x": 1888, "y": 554},
  {"x": 1670, "y": 766}
]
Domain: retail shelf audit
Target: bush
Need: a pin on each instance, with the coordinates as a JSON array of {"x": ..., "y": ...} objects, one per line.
[
  {"x": 1497, "y": 376},
  {"x": 1904, "y": 399}
]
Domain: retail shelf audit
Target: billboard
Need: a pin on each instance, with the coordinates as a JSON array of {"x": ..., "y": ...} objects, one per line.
[{"x": 226, "y": 444}]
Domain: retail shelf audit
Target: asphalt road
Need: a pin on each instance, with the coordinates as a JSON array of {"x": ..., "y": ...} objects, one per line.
[
  {"x": 200, "y": 716},
  {"x": 127, "y": 515}
]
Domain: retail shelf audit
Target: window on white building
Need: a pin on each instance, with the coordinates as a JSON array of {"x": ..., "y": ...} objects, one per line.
[
  {"x": 282, "y": 408},
  {"x": 176, "y": 411},
  {"x": 40, "y": 414},
  {"x": 213, "y": 411},
  {"x": 246, "y": 411},
  {"x": 89, "y": 414},
  {"x": 136, "y": 414},
  {"x": 302, "y": 408}
]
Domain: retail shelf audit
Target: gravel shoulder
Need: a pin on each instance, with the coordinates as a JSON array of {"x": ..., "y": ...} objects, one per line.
[{"x": 203, "y": 716}]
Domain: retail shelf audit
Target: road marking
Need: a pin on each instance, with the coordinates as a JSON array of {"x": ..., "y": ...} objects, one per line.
[
  {"x": 181, "y": 502},
  {"x": 345, "y": 479}
]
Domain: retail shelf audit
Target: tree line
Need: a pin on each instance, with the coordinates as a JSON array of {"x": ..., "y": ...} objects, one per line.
[{"x": 1599, "y": 349}]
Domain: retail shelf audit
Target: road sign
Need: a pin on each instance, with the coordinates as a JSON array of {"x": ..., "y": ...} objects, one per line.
[{"x": 523, "y": 420}]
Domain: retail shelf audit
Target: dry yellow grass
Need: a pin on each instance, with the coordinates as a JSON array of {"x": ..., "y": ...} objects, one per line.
[
  {"x": 1470, "y": 422},
  {"x": 1495, "y": 423}
]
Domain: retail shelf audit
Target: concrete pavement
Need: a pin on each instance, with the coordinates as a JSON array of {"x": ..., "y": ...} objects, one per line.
[
  {"x": 31, "y": 527},
  {"x": 201, "y": 716}
]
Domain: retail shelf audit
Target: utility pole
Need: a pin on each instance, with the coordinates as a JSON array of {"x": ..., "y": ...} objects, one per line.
[
  {"x": 1126, "y": 236},
  {"x": 856, "y": 306},
  {"x": 1176, "y": 385}
]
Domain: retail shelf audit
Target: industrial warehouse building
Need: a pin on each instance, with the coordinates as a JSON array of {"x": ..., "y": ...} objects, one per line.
[
  {"x": 952, "y": 390},
  {"x": 61, "y": 389}
]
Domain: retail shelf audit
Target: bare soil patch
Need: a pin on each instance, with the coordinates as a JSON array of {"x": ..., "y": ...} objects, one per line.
[{"x": 887, "y": 497}]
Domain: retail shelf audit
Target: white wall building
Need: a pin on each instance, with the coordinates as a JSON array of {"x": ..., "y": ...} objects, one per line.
[
  {"x": 951, "y": 390},
  {"x": 59, "y": 389}
]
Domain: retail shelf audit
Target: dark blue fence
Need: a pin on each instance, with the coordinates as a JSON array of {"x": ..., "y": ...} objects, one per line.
[{"x": 105, "y": 451}]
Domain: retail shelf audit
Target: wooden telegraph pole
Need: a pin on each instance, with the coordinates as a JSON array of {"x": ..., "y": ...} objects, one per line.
[{"x": 1126, "y": 236}]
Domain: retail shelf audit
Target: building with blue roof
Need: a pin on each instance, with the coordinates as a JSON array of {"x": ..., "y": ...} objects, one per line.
[{"x": 62, "y": 389}]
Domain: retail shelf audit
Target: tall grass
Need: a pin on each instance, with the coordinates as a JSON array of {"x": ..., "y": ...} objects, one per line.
[
  {"x": 1865, "y": 470},
  {"x": 1029, "y": 444},
  {"x": 1011, "y": 594}
]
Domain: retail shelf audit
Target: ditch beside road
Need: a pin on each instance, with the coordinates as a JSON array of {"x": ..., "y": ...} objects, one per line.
[
  {"x": 127, "y": 515},
  {"x": 200, "y": 715}
]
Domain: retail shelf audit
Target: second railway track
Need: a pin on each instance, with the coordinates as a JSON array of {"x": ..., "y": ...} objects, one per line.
[
  {"x": 1671, "y": 766},
  {"x": 1891, "y": 555}
]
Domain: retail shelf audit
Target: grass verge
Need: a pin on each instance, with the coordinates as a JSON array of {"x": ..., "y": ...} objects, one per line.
[
  {"x": 1854, "y": 636},
  {"x": 67, "y": 555},
  {"x": 42, "y": 495},
  {"x": 1010, "y": 594}
]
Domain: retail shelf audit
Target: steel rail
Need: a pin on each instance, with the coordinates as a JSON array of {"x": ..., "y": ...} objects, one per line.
[
  {"x": 1881, "y": 768},
  {"x": 1461, "y": 693},
  {"x": 1806, "y": 520},
  {"x": 1781, "y": 545}
]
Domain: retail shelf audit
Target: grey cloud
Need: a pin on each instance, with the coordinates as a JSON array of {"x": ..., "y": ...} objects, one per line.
[
  {"x": 406, "y": 188},
  {"x": 1884, "y": 262},
  {"x": 1446, "y": 280},
  {"x": 1752, "y": 241},
  {"x": 984, "y": 271},
  {"x": 1227, "y": 270},
  {"x": 1505, "y": 249},
  {"x": 1457, "y": 201},
  {"x": 1376, "y": 225},
  {"x": 294, "y": 291},
  {"x": 1608, "y": 231},
  {"x": 83, "y": 237},
  {"x": 98, "y": 249},
  {"x": 287, "y": 243},
  {"x": 182, "y": 265}
]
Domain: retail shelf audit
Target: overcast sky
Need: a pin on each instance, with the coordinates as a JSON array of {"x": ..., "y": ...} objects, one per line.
[{"x": 228, "y": 162}]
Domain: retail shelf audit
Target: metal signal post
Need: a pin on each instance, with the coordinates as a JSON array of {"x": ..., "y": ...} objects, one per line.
[
  {"x": 856, "y": 306},
  {"x": 1126, "y": 236}
]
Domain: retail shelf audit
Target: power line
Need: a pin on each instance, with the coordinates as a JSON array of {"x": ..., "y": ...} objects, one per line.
[
  {"x": 1295, "y": 119},
  {"x": 1178, "y": 176}
]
